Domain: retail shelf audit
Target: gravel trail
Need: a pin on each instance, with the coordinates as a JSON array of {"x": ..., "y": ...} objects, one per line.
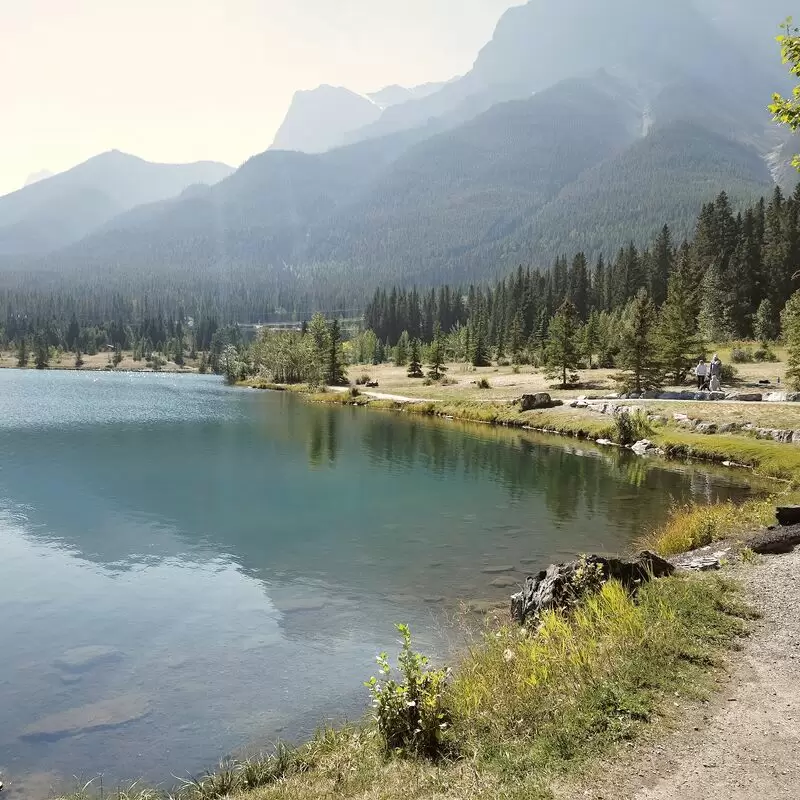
[{"x": 745, "y": 744}]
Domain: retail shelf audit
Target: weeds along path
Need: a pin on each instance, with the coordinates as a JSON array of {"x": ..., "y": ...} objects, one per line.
[{"x": 743, "y": 745}]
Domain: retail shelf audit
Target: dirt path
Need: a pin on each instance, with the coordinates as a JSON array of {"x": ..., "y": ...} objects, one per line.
[{"x": 745, "y": 744}]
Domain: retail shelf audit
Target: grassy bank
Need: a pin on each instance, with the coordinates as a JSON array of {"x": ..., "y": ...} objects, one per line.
[{"x": 524, "y": 708}]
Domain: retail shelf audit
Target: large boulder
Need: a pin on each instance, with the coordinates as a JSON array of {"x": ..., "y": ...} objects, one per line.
[
  {"x": 533, "y": 402},
  {"x": 745, "y": 397},
  {"x": 788, "y": 515},
  {"x": 561, "y": 585}
]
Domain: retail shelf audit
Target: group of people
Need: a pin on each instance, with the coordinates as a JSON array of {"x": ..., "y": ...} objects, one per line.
[{"x": 709, "y": 376}]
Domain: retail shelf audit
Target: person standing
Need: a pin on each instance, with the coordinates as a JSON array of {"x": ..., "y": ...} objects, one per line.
[
  {"x": 700, "y": 372},
  {"x": 715, "y": 374}
]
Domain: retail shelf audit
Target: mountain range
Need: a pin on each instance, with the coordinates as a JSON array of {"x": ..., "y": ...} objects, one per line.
[
  {"x": 581, "y": 125},
  {"x": 53, "y": 211}
]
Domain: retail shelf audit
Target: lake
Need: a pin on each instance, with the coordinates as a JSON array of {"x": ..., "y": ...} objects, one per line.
[{"x": 188, "y": 570}]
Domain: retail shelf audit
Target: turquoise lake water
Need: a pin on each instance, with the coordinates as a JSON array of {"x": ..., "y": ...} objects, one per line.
[{"x": 188, "y": 570}]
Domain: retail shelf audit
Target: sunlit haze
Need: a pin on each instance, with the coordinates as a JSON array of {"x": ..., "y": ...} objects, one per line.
[{"x": 185, "y": 80}]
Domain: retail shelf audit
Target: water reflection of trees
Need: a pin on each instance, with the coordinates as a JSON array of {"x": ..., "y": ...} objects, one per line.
[
  {"x": 572, "y": 478},
  {"x": 323, "y": 436}
]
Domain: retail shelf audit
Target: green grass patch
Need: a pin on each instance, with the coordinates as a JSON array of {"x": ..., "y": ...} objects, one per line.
[
  {"x": 767, "y": 458},
  {"x": 525, "y": 706},
  {"x": 691, "y": 527}
]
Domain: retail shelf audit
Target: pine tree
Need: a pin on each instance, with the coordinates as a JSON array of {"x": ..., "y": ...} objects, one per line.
[
  {"x": 765, "y": 328},
  {"x": 714, "y": 319},
  {"x": 562, "y": 350},
  {"x": 678, "y": 344},
  {"x": 436, "y": 367},
  {"x": 590, "y": 337},
  {"x": 414, "y": 362},
  {"x": 78, "y": 359},
  {"x": 516, "y": 338},
  {"x": 335, "y": 372},
  {"x": 661, "y": 266},
  {"x": 401, "y": 350},
  {"x": 319, "y": 354},
  {"x": 22, "y": 352},
  {"x": 791, "y": 332},
  {"x": 638, "y": 352},
  {"x": 41, "y": 352},
  {"x": 480, "y": 349}
]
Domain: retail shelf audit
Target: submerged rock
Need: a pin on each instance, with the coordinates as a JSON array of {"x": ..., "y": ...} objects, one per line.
[
  {"x": 79, "y": 659},
  {"x": 497, "y": 570},
  {"x": 109, "y": 713},
  {"x": 504, "y": 582}
]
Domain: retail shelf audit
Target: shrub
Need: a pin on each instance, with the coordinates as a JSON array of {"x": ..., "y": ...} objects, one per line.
[
  {"x": 362, "y": 380},
  {"x": 631, "y": 427},
  {"x": 484, "y": 384},
  {"x": 411, "y": 715},
  {"x": 729, "y": 373},
  {"x": 503, "y": 362},
  {"x": 740, "y": 355},
  {"x": 515, "y": 370},
  {"x": 765, "y": 356},
  {"x": 354, "y": 392}
]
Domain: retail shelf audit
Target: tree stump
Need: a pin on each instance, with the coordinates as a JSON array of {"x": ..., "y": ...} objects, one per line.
[
  {"x": 788, "y": 515},
  {"x": 555, "y": 587}
]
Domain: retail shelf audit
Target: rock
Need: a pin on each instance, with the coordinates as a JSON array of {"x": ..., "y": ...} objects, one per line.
[
  {"x": 642, "y": 447},
  {"x": 727, "y": 427},
  {"x": 671, "y": 396},
  {"x": 532, "y": 402},
  {"x": 788, "y": 515},
  {"x": 716, "y": 395},
  {"x": 745, "y": 397},
  {"x": 79, "y": 659},
  {"x": 110, "y": 713},
  {"x": 784, "y": 437},
  {"x": 503, "y": 583},
  {"x": 497, "y": 570},
  {"x": 796, "y": 437},
  {"x": 706, "y": 427},
  {"x": 553, "y": 588},
  {"x": 776, "y": 397},
  {"x": 657, "y": 419},
  {"x": 371, "y": 384},
  {"x": 775, "y": 541},
  {"x": 793, "y": 398},
  {"x": 605, "y": 442},
  {"x": 681, "y": 418},
  {"x": 651, "y": 394}
]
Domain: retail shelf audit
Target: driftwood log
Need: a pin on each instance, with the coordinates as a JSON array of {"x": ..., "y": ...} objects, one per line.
[{"x": 554, "y": 588}]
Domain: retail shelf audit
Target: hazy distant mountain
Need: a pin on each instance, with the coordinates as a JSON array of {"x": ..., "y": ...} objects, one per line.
[
  {"x": 35, "y": 177},
  {"x": 323, "y": 118},
  {"x": 61, "y": 209},
  {"x": 394, "y": 95},
  {"x": 318, "y": 119},
  {"x": 649, "y": 42},
  {"x": 581, "y": 125}
]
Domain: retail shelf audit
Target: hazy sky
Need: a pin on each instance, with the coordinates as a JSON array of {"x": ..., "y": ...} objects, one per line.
[{"x": 182, "y": 80}]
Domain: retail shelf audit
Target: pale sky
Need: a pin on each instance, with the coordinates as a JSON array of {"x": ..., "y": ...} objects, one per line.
[{"x": 185, "y": 80}]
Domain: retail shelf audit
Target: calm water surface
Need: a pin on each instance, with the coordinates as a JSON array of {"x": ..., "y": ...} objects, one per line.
[{"x": 187, "y": 570}]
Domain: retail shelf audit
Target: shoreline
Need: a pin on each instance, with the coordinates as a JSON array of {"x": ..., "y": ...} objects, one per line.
[{"x": 765, "y": 459}]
